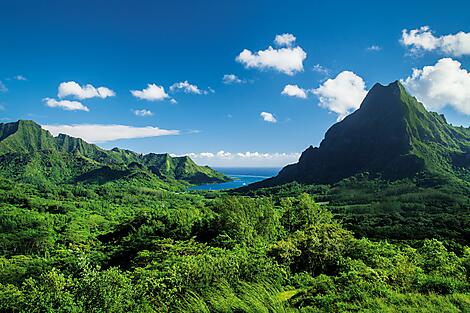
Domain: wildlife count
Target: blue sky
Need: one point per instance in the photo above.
(124, 46)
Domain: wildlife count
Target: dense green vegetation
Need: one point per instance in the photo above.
(29, 153)
(127, 247)
(406, 209)
(377, 219)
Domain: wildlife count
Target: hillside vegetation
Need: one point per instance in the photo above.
(125, 247)
(376, 219)
(30, 153)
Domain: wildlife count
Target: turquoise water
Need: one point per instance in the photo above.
(241, 176)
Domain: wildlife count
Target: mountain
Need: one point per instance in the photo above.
(391, 135)
(28, 152)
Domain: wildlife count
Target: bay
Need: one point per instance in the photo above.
(241, 176)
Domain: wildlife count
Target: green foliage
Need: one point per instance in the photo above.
(406, 209)
(129, 246)
(316, 249)
(245, 220)
(302, 210)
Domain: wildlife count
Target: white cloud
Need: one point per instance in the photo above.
(423, 39)
(104, 92)
(87, 91)
(285, 39)
(65, 104)
(173, 101)
(320, 69)
(224, 155)
(342, 94)
(374, 48)
(206, 155)
(268, 117)
(294, 91)
(232, 79)
(288, 60)
(143, 112)
(442, 84)
(3, 88)
(151, 93)
(20, 77)
(95, 133)
(186, 87)
(224, 158)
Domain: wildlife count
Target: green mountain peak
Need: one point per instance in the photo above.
(391, 135)
(29, 152)
(24, 136)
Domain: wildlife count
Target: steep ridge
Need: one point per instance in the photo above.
(391, 135)
(28, 152)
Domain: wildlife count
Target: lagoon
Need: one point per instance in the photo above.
(241, 177)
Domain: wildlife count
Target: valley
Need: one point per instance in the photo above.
(377, 218)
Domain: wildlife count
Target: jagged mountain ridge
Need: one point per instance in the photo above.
(29, 152)
(391, 135)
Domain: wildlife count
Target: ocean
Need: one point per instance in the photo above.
(242, 176)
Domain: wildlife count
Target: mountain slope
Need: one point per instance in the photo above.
(390, 135)
(28, 152)
(181, 168)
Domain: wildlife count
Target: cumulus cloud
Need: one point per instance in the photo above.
(423, 39)
(96, 133)
(374, 48)
(294, 91)
(173, 101)
(143, 112)
(232, 79)
(342, 94)
(285, 39)
(65, 104)
(87, 91)
(223, 154)
(268, 117)
(287, 60)
(3, 88)
(186, 87)
(249, 158)
(444, 84)
(151, 93)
